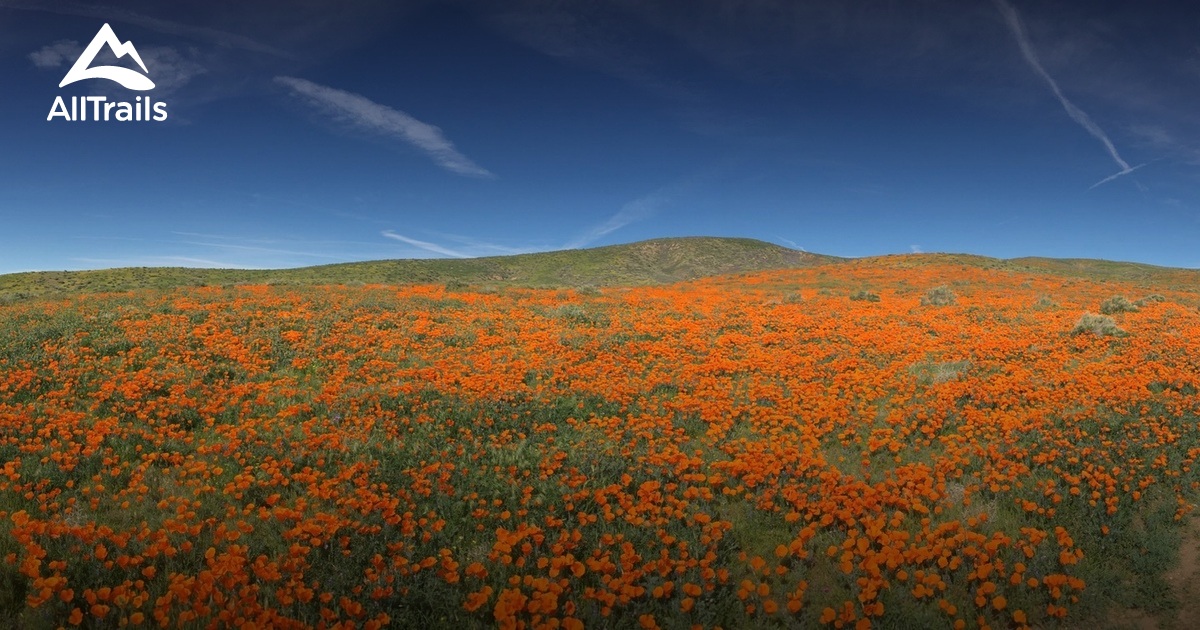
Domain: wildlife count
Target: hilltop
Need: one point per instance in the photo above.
(656, 261)
(1096, 270)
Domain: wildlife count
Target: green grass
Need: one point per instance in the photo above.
(1083, 268)
(1126, 572)
(657, 261)
(648, 262)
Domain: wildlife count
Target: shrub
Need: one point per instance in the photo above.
(1154, 297)
(1117, 304)
(1099, 325)
(590, 290)
(938, 296)
(575, 314)
(1045, 301)
(864, 296)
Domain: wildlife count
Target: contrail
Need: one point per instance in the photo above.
(361, 112)
(425, 245)
(1076, 114)
(1125, 171)
(631, 212)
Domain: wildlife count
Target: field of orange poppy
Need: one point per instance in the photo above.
(868, 445)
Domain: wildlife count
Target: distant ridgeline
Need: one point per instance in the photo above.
(658, 261)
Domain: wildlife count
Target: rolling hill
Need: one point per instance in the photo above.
(647, 262)
(657, 261)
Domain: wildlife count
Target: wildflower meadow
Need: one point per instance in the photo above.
(862, 445)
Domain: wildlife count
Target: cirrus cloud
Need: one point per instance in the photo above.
(362, 113)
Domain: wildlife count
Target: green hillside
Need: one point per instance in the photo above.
(658, 261)
(647, 262)
(1083, 268)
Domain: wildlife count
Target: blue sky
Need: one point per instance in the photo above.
(314, 132)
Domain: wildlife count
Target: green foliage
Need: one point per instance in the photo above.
(1100, 325)
(655, 261)
(939, 296)
(578, 315)
(508, 432)
(648, 262)
(1045, 302)
(1117, 304)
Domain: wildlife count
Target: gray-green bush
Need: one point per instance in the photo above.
(939, 296)
(1117, 304)
(1100, 325)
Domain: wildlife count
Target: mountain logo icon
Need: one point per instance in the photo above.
(83, 68)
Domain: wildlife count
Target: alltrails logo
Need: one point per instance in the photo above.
(99, 107)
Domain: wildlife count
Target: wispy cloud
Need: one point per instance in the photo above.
(274, 240)
(789, 243)
(466, 246)
(639, 209)
(262, 250)
(632, 212)
(1160, 139)
(480, 247)
(169, 68)
(1154, 135)
(1124, 171)
(161, 261)
(168, 27)
(224, 237)
(1078, 115)
(425, 245)
(56, 54)
(201, 249)
(644, 207)
(362, 113)
(916, 249)
(107, 237)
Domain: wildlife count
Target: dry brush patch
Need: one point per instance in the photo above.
(710, 453)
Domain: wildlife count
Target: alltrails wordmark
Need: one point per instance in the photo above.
(100, 108)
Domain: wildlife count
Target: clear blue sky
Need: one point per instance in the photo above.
(312, 132)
